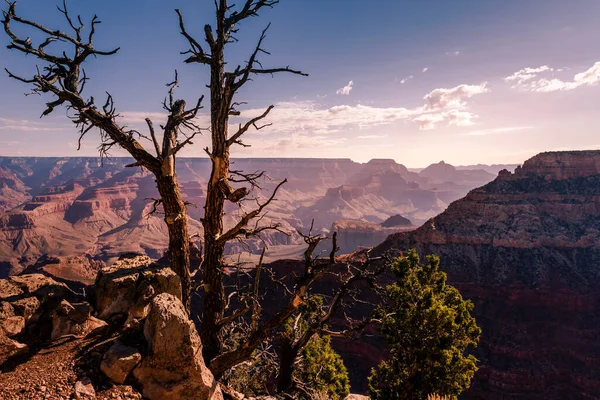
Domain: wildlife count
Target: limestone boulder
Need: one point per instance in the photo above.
(119, 361)
(37, 285)
(174, 368)
(12, 326)
(75, 319)
(84, 390)
(128, 287)
(26, 307)
(9, 290)
(10, 348)
(6, 310)
(24, 300)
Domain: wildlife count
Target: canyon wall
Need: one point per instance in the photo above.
(525, 249)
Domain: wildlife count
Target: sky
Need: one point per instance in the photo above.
(464, 81)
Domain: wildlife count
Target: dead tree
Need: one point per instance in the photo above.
(223, 87)
(307, 324)
(266, 329)
(64, 78)
(297, 295)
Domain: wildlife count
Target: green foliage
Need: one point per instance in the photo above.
(323, 370)
(308, 313)
(319, 369)
(428, 326)
(253, 376)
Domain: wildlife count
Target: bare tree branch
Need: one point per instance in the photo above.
(250, 9)
(153, 135)
(198, 53)
(64, 79)
(238, 228)
(244, 73)
(242, 129)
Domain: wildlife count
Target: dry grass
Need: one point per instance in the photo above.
(437, 397)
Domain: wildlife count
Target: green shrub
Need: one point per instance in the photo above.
(428, 326)
(323, 370)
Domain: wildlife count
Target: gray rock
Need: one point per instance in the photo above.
(119, 361)
(75, 319)
(26, 307)
(128, 286)
(10, 348)
(84, 389)
(38, 285)
(174, 368)
(12, 326)
(6, 310)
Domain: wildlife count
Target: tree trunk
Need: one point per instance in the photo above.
(287, 357)
(176, 220)
(214, 300)
(214, 249)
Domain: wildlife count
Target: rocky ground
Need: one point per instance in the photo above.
(56, 343)
(57, 373)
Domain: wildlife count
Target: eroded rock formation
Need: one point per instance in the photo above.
(353, 234)
(65, 207)
(525, 249)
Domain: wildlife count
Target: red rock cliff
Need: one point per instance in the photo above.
(525, 249)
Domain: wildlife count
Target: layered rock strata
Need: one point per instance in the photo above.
(525, 249)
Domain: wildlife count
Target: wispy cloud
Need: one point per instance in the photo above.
(10, 142)
(308, 124)
(310, 117)
(27, 128)
(371, 136)
(23, 125)
(443, 105)
(425, 69)
(137, 116)
(346, 89)
(298, 140)
(526, 74)
(497, 130)
(404, 80)
(453, 53)
(137, 119)
(530, 79)
(454, 97)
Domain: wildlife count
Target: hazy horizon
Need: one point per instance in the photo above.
(414, 167)
(467, 82)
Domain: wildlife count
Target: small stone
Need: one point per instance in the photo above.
(84, 389)
(119, 361)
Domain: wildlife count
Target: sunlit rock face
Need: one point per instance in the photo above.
(525, 249)
(63, 207)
